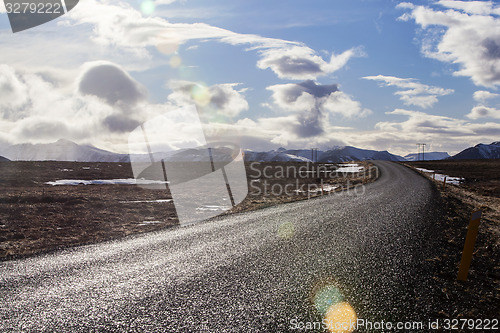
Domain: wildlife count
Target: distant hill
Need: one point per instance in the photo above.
(65, 150)
(3, 159)
(273, 156)
(62, 150)
(429, 156)
(480, 151)
(333, 155)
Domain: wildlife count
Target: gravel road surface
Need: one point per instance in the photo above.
(261, 271)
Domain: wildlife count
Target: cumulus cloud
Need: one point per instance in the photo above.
(420, 122)
(481, 111)
(40, 128)
(41, 108)
(119, 123)
(272, 132)
(398, 136)
(119, 25)
(114, 86)
(483, 96)
(470, 38)
(14, 92)
(213, 101)
(110, 83)
(441, 132)
(301, 63)
(313, 104)
(472, 7)
(412, 92)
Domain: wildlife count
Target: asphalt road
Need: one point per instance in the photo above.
(251, 272)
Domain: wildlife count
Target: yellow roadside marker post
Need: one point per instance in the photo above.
(470, 240)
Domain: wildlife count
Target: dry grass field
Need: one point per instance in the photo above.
(479, 296)
(481, 176)
(37, 217)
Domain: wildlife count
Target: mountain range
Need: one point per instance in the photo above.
(430, 156)
(334, 155)
(61, 150)
(65, 150)
(479, 151)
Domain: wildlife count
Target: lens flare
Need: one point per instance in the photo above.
(147, 7)
(167, 47)
(326, 297)
(201, 95)
(286, 230)
(175, 61)
(341, 318)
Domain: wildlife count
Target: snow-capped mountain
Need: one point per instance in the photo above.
(428, 156)
(347, 153)
(62, 150)
(3, 159)
(334, 155)
(479, 151)
(273, 156)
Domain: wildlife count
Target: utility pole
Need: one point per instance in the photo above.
(423, 151)
(314, 155)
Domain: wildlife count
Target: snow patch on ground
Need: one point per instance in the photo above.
(350, 167)
(326, 188)
(129, 181)
(440, 177)
(213, 208)
(148, 201)
(149, 222)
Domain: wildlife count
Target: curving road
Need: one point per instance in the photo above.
(249, 272)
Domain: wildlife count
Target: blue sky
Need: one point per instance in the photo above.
(374, 74)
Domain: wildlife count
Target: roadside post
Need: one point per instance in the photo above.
(470, 240)
(444, 182)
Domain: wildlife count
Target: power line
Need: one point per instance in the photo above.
(421, 145)
(314, 155)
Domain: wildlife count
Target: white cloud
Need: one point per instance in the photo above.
(405, 5)
(441, 132)
(13, 90)
(470, 38)
(313, 104)
(214, 102)
(420, 122)
(398, 136)
(119, 25)
(164, 2)
(302, 63)
(481, 111)
(483, 96)
(411, 91)
(472, 7)
(341, 103)
(51, 109)
(111, 83)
